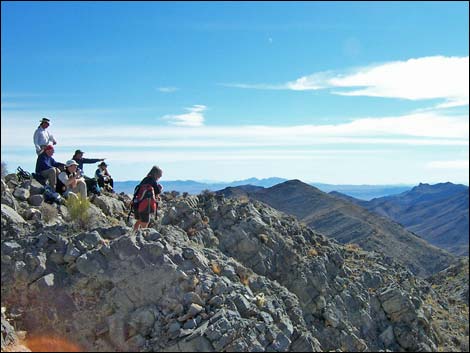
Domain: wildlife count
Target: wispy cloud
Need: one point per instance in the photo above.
(167, 89)
(426, 128)
(457, 164)
(193, 118)
(434, 77)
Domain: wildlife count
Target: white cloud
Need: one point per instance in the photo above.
(434, 77)
(421, 129)
(457, 164)
(167, 89)
(193, 119)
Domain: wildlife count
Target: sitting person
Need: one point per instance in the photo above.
(72, 181)
(47, 167)
(105, 181)
(78, 157)
(91, 183)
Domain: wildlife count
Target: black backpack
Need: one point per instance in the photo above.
(22, 175)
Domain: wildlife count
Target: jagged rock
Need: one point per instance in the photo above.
(109, 205)
(21, 194)
(9, 215)
(267, 283)
(36, 200)
(397, 305)
(3, 186)
(35, 187)
(9, 200)
(32, 214)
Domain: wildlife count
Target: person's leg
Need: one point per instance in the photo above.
(51, 175)
(143, 220)
(81, 188)
(101, 181)
(71, 195)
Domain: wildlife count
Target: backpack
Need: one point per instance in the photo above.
(51, 196)
(22, 175)
(144, 199)
(92, 186)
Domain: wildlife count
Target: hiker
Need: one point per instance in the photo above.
(72, 181)
(91, 183)
(47, 167)
(41, 137)
(105, 181)
(146, 196)
(78, 157)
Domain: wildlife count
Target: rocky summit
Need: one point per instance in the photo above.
(211, 274)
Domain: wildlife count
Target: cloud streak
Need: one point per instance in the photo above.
(426, 128)
(167, 89)
(433, 77)
(193, 118)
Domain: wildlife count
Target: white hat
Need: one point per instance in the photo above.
(70, 162)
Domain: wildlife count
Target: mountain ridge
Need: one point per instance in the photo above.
(350, 223)
(195, 187)
(437, 213)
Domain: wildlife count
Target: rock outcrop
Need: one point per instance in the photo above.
(212, 274)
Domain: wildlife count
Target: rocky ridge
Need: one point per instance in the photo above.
(212, 274)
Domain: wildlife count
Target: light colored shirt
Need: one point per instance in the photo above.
(65, 178)
(42, 137)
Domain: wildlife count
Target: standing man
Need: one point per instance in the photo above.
(41, 137)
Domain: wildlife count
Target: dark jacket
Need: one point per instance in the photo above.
(156, 186)
(44, 162)
(82, 161)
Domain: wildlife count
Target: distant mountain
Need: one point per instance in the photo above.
(437, 213)
(195, 187)
(350, 223)
(365, 192)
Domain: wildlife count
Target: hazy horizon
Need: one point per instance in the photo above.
(346, 93)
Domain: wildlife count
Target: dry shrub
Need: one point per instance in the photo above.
(78, 208)
(312, 252)
(260, 300)
(216, 268)
(243, 199)
(48, 212)
(244, 279)
(352, 247)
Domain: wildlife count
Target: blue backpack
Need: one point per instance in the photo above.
(51, 196)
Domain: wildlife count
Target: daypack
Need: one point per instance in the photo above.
(51, 196)
(92, 186)
(22, 175)
(144, 200)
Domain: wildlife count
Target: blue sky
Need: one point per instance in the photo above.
(332, 92)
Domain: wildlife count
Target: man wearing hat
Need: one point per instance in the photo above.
(78, 157)
(91, 183)
(47, 167)
(73, 182)
(104, 178)
(41, 137)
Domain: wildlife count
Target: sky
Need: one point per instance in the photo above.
(328, 92)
